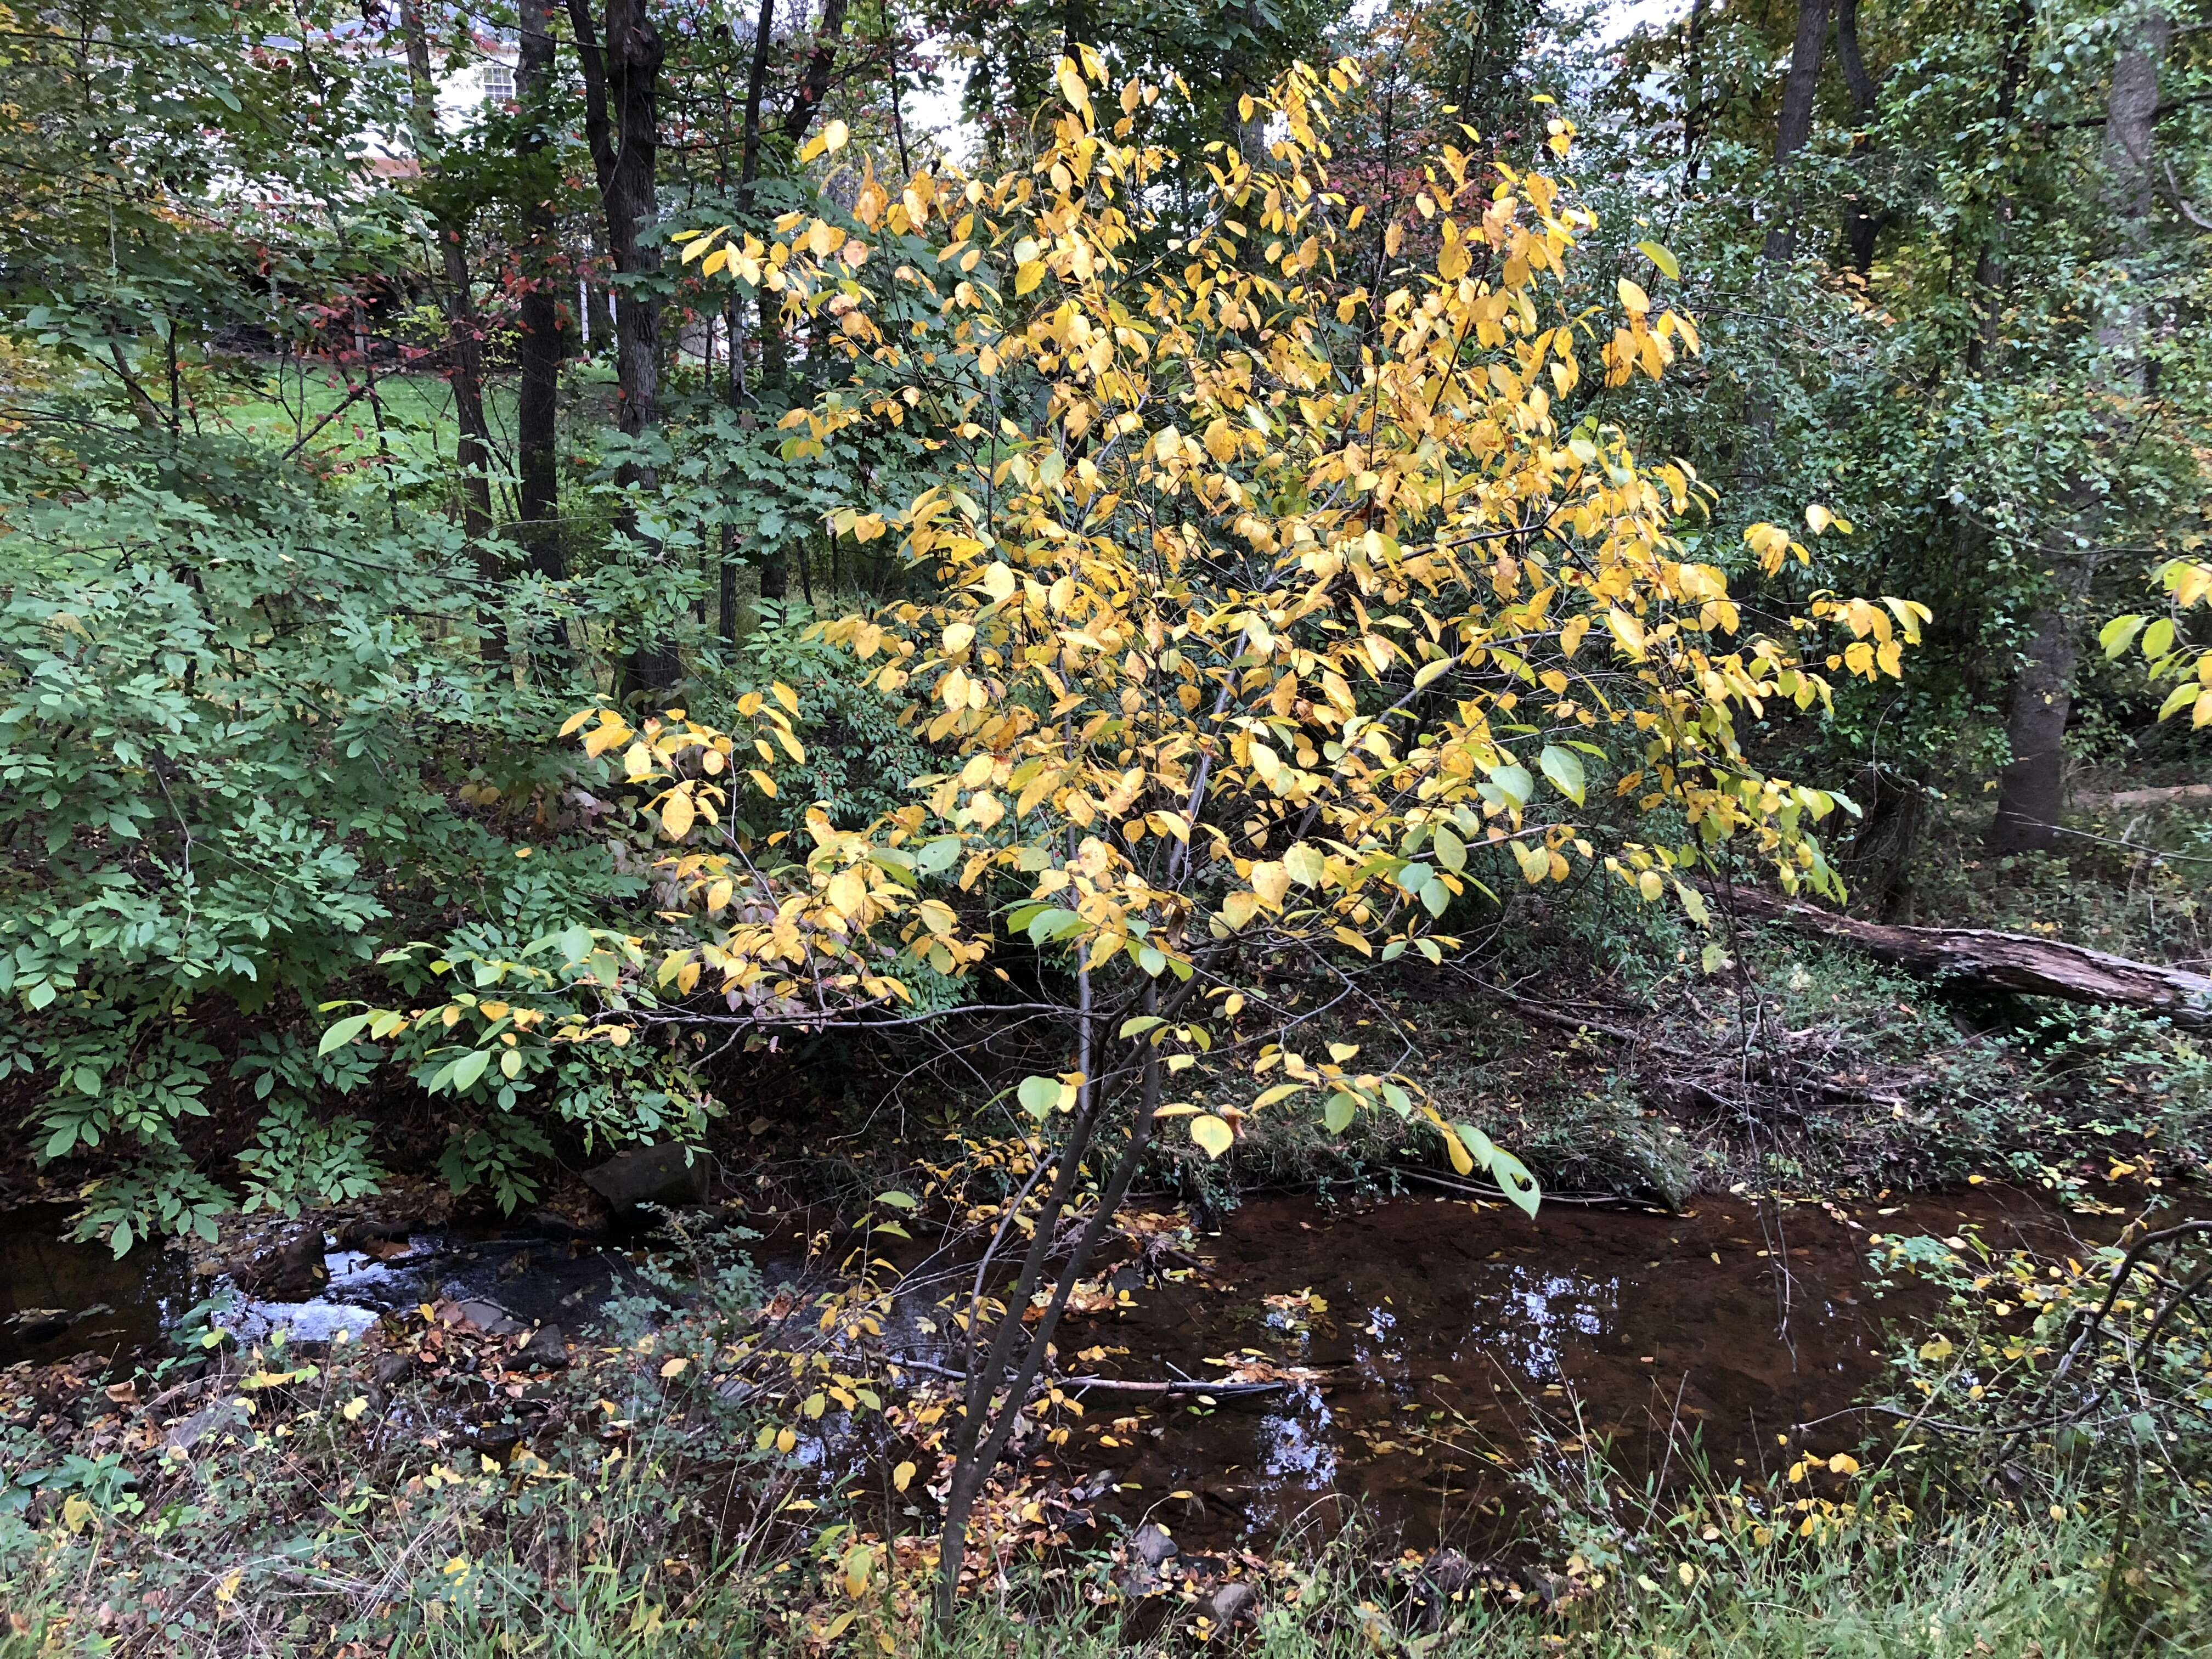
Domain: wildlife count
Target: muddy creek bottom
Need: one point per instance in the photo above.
(1452, 1341)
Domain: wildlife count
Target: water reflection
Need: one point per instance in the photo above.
(1453, 1344)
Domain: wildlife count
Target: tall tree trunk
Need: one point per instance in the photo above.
(635, 54)
(1991, 277)
(464, 340)
(2031, 789)
(814, 79)
(1693, 94)
(622, 93)
(541, 346)
(1861, 224)
(1795, 126)
(622, 90)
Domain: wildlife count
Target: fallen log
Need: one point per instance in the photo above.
(2179, 794)
(2007, 961)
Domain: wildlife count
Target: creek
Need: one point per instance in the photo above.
(1427, 1344)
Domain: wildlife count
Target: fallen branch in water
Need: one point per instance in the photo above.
(1119, 1385)
(1472, 1190)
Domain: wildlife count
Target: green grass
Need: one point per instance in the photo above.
(420, 424)
(418, 415)
(2031, 1590)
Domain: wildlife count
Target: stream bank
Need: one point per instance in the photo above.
(1401, 1358)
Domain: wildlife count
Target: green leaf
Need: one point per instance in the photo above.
(1564, 769)
(2119, 634)
(1693, 904)
(1660, 258)
(937, 856)
(899, 1200)
(2157, 639)
(1338, 1112)
(1513, 1176)
(1513, 783)
(1138, 1025)
(1306, 864)
(1451, 851)
(1051, 923)
(344, 1032)
(1213, 1135)
(468, 1068)
(1038, 1096)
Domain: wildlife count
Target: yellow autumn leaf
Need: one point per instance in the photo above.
(1072, 88)
(1271, 881)
(1213, 1136)
(676, 813)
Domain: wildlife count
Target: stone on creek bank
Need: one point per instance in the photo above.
(1151, 1546)
(546, 1351)
(1234, 1602)
(224, 1416)
(292, 1271)
(481, 1315)
(670, 1173)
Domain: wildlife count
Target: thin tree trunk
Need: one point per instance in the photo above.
(976, 1453)
(463, 343)
(814, 79)
(622, 90)
(1795, 126)
(1861, 224)
(621, 122)
(1693, 94)
(542, 346)
(2031, 789)
(1991, 277)
(774, 579)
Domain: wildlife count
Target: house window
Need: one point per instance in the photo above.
(498, 84)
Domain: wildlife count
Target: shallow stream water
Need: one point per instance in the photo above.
(1433, 1340)
(1448, 1335)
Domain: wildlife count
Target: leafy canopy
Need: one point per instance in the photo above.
(1279, 616)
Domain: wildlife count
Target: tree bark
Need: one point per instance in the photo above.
(2031, 789)
(1693, 94)
(814, 80)
(621, 86)
(541, 346)
(2001, 962)
(1861, 224)
(1795, 126)
(621, 124)
(1991, 277)
(464, 335)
